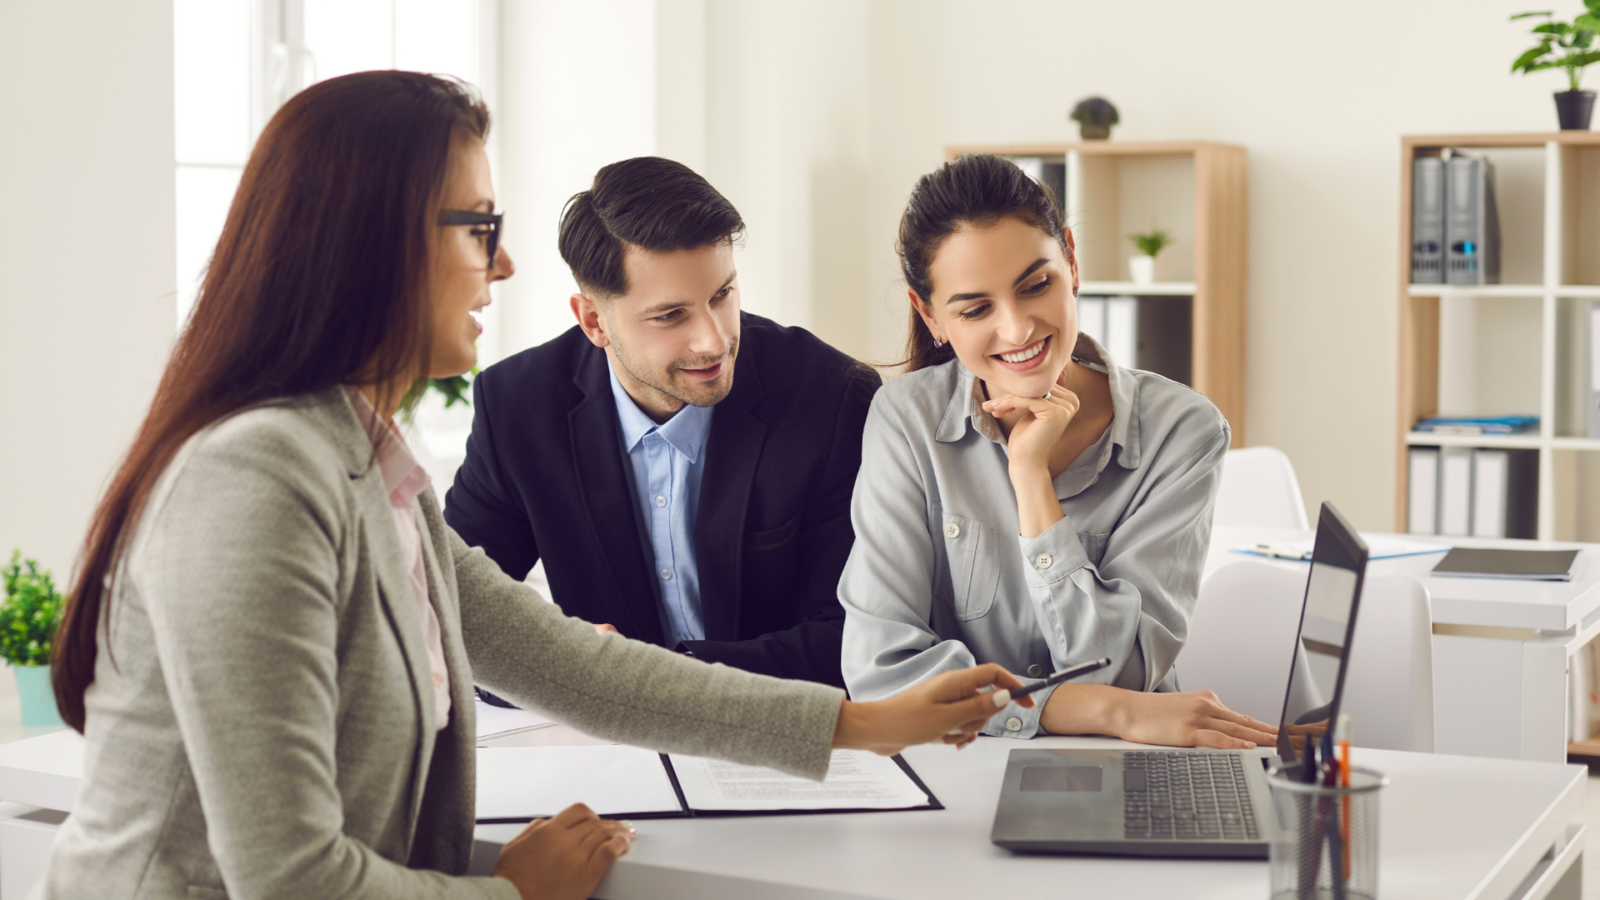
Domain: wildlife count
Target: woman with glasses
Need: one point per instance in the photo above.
(271, 645)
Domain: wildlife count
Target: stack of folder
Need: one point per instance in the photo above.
(1455, 226)
(1473, 491)
(1477, 424)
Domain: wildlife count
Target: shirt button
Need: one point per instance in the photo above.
(952, 530)
(666, 574)
(1043, 560)
(1013, 724)
(438, 678)
(1035, 670)
(660, 500)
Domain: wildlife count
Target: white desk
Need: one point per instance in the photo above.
(1451, 827)
(1500, 648)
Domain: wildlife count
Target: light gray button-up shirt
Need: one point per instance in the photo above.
(940, 579)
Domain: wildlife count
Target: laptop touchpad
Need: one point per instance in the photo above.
(1080, 779)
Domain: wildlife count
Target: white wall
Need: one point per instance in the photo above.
(577, 91)
(788, 144)
(87, 283)
(767, 100)
(1320, 97)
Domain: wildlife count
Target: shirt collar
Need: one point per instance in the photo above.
(966, 404)
(685, 432)
(403, 477)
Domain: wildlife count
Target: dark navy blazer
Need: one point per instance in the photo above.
(545, 478)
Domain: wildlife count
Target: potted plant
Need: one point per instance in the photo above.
(29, 614)
(1095, 116)
(1142, 267)
(1565, 45)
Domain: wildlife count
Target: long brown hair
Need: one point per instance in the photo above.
(318, 280)
(976, 189)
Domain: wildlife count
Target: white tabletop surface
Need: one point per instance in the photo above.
(1492, 602)
(1452, 827)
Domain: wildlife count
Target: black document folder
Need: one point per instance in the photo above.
(520, 784)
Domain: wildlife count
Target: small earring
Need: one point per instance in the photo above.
(937, 343)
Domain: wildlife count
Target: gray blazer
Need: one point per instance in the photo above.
(260, 721)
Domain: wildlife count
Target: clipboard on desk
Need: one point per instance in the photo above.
(520, 784)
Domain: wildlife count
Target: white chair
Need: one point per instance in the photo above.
(1241, 639)
(1244, 628)
(1259, 488)
(1388, 688)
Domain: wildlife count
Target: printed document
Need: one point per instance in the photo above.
(496, 721)
(857, 779)
(522, 783)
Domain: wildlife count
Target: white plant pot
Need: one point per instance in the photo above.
(1142, 269)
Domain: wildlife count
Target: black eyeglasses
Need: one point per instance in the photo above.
(468, 217)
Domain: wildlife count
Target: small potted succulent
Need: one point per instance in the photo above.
(1142, 266)
(1095, 116)
(29, 614)
(1565, 45)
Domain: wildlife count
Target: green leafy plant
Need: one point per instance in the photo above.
(453, 389)
(1562, 45)
(1152, 242)
(29, 613)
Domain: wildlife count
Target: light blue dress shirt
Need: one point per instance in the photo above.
(668, 461)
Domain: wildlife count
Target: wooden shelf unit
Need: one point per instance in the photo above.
(1197, 190)
(1548, 193)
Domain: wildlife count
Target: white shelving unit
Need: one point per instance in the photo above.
(1548, 191)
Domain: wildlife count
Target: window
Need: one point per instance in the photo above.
(237, 61)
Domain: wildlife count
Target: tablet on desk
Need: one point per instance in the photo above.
(1488, 562)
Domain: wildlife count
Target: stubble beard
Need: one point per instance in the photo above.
(670, 383)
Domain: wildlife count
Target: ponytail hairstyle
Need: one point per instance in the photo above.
(317, 280)
(975, 190)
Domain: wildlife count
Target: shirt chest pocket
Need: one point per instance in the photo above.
(973, 550)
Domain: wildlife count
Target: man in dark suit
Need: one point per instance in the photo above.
(670, 496)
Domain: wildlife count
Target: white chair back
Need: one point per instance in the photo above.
(1241, 639)
(1388, 689)
(1259, 488)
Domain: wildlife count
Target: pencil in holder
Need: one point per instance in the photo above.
(1324, 837)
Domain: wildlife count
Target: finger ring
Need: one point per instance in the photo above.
(1047, 395)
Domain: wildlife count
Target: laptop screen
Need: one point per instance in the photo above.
(1327, 623)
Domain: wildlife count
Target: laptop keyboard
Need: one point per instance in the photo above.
(1170, 795)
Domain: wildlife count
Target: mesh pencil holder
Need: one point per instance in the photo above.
(1325, 838)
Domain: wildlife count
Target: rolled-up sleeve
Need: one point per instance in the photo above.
(1138, 600)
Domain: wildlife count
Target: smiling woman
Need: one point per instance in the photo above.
(1022, 498)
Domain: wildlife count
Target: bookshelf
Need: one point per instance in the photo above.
(1192, 319)
(1519, 346)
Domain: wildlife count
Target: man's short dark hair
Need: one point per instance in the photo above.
(652, 203)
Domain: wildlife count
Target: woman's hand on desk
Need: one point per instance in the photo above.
(563, 857)
(951, 707)
(1191, 719)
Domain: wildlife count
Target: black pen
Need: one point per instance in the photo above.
(1063, 675)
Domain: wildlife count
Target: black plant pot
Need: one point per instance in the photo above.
(1574, 108)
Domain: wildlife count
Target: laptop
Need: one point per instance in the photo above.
(1189, 802)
